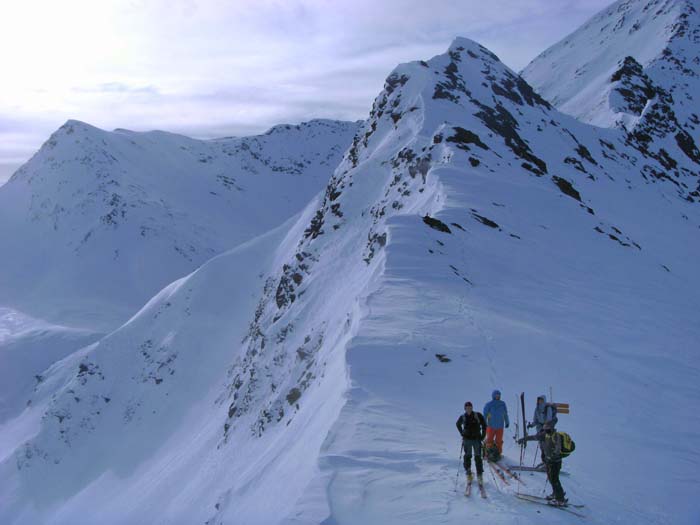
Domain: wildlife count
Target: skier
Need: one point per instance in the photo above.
(551, 444)
(472, 428)
(496, 414)
(543, 412)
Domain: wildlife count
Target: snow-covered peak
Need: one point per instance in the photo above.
(663, 36)
(105, 219)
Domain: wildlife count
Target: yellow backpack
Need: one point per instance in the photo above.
(567, 444)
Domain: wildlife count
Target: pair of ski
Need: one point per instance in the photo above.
(502, 470)
(549, 503)
(528, 469)
(482, 491)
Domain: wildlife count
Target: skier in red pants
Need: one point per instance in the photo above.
(496, 415)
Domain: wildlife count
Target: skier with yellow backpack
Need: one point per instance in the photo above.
(555, 447)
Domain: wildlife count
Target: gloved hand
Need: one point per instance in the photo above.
(521, 441)
(530, 425)
(507, 425)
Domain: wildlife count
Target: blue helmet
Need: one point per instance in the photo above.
(495, 393)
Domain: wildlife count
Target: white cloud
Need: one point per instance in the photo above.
(228, 68)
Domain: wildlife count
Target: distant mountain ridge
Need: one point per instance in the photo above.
(96, 222)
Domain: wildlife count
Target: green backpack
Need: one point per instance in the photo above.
(567, 444)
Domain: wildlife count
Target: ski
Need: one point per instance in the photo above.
(540, 498)
(522, 407)
(535, 469)
(508, 471)
(498, 472)
(538, 502)
(527, 469)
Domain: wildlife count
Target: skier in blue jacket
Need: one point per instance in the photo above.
(543, 412)
(496, 415)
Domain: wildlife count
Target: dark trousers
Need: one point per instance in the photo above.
(475, 446)
(553, 470)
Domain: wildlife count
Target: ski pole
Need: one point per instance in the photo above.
(546, 480)
(459, 465)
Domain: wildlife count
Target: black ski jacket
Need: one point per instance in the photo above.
(550, 444)
(472, 426)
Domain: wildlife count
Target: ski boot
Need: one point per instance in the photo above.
(470, 476)
(559, 502)
(480, 479)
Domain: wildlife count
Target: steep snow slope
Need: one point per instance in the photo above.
(578, 74)
(27, 347)
(97, 222)
(472, 237)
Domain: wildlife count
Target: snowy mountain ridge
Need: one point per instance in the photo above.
(120, 214)
(471, 237)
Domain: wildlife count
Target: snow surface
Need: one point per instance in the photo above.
(471, 238)
(27, 347)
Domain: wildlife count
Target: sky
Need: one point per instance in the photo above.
(216, 68)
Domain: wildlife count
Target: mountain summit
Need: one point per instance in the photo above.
(605, 72)
(96, 222)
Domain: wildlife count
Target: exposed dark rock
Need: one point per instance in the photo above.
(393, 81)
(529, 94)
(575, 163)
(500, 121)
(436, 224)
(293, 396)
(566, 188)
(583, 151)
(633, 86)
(463, 137)
(375, 241)
(451, 88)
(687, 145)
(505, 89)
(285, 292)
(484, 220)
(316, 226)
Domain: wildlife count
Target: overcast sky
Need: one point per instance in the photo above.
(213, 68)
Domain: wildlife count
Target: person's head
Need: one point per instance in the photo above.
(541, 400)
(468, 407)
(496, 394)
(548, 427)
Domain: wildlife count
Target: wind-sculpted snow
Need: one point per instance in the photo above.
(472, 237)
(96, 222)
